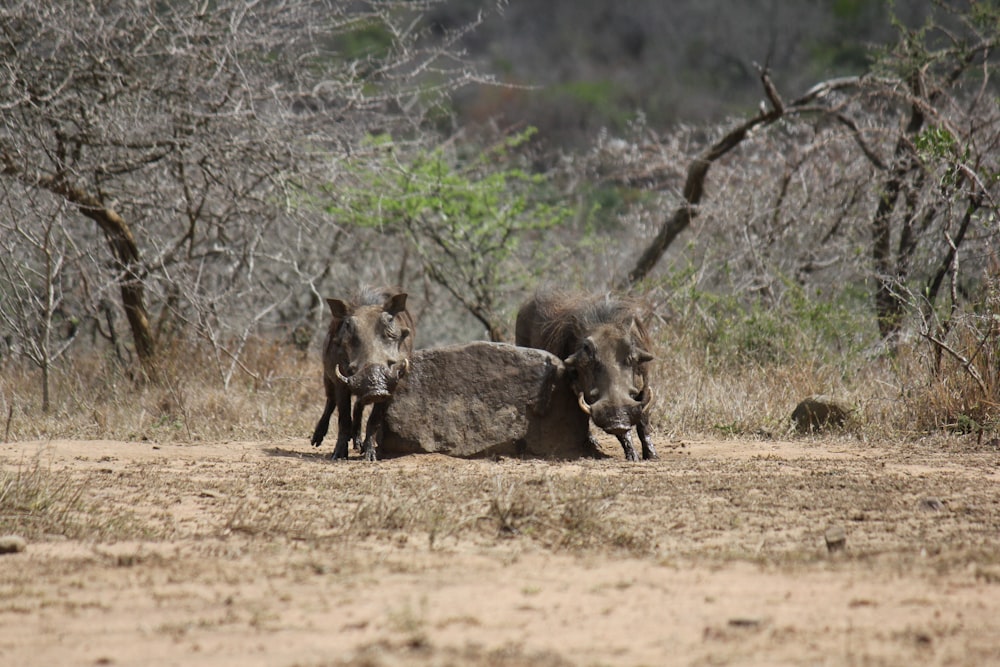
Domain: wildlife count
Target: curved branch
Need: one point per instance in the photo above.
(123, 247)
(694, 186)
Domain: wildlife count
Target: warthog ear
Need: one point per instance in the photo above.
(339, 309)
(395, 304)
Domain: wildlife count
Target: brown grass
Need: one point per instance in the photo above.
(37, 502)
(95, 398)
(699, 391)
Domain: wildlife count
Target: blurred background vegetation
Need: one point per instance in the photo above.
(584, 66)
(190, 181)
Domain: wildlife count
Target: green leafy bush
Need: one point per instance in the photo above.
(476, 222)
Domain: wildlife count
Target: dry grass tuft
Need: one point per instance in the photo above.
(738, 371)
(684, 509)
(281, 396)
(36, 502)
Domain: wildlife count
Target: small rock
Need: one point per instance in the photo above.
(989, 574)
(931, 505)
(819, 413)
(836, 538)
(12, 544)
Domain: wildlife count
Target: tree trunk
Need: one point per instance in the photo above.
(887, 303)
(890, 270)
(126, 254)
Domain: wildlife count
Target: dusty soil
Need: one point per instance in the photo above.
(266, 553)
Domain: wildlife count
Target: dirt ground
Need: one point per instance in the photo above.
(267, 553)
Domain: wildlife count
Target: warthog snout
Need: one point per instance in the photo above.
(612, 417)
(375, 382)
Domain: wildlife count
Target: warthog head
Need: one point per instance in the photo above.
(604, 345)
(371, 347)
(609, 369)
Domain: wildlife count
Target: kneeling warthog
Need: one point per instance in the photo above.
(605, 347)
(366, 353)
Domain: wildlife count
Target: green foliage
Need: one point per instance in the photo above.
(476, 223)
(985, 16)
(796, 325)
(590, 100)
(604, 205)
(832, 52)
(932, 50)
(936, 142)
(371, 40)
(849, 9)
(598, 94)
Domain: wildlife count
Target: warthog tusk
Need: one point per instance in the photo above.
(647, 396)
(583, 403)
(351, 381)
(404, 370)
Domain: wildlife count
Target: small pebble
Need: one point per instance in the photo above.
(931, 505)
(12, 544)
(836, 538)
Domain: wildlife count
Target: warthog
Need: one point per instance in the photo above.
(366, 353)
(605, 347)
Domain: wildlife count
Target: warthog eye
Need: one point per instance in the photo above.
(389, 326)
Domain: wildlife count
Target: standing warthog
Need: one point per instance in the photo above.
(604, 345)
(366, 353)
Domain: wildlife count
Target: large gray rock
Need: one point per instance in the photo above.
(486, 399)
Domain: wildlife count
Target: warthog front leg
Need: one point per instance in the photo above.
(642, 429)
(344, 427)
(373, 432)
(359, 412)
(323, 425)
(593, 446)
(626, 440)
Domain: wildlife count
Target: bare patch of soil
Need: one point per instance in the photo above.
(266, 553)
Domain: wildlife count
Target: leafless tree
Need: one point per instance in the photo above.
(186, 138)
(34, 282)
(935, 171)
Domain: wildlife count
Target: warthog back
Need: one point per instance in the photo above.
(486, 399)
